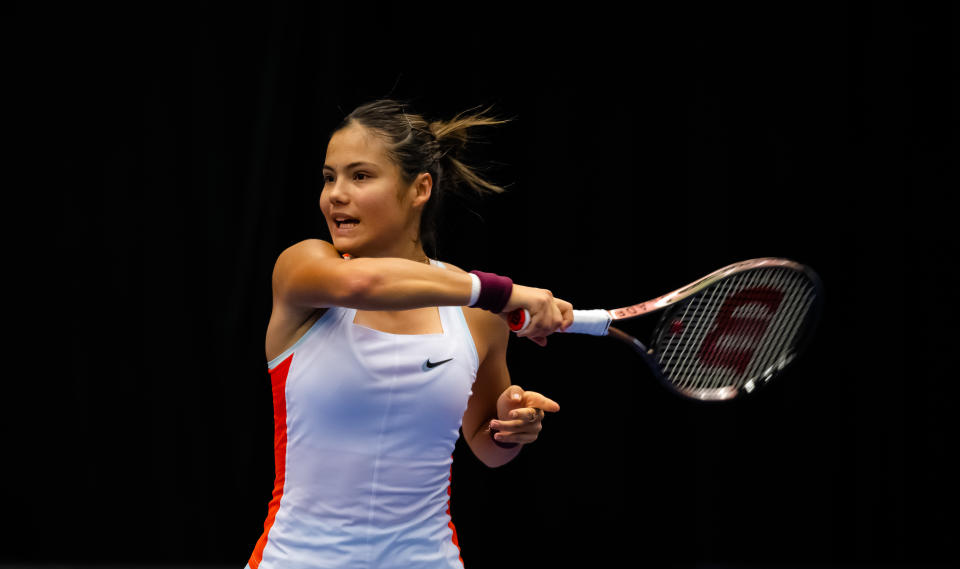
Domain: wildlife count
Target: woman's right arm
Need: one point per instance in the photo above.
(311, 273)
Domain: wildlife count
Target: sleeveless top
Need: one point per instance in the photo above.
(365, 426)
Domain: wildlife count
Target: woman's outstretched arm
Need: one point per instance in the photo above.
(312, 273)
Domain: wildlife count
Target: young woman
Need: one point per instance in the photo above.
(377, 358)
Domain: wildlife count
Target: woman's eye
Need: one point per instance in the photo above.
(360, 176)
(328, 179)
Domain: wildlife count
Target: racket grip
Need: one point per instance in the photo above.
(519, 319)
(592, 322)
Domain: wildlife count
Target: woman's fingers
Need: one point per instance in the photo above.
(516, 431)
(520, 415)
(548, 316)
(523, 426)
(543, 320)
(522, 438)
(541, 341)
(525, 423)
(518, 425)
(566, 313)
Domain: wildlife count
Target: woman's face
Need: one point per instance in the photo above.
(369, 210)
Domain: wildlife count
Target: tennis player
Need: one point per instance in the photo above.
(378, 355)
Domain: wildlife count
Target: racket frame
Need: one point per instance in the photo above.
(661, 302)
(726, 392)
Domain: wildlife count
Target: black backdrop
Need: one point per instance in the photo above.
(171, 151)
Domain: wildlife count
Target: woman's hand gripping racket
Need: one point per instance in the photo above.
(723, 335)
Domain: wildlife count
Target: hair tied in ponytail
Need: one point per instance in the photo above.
(435, 147)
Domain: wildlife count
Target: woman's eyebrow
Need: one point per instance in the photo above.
(350, 166)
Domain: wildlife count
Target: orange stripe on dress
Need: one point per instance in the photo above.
(278, 380)
(450, 523)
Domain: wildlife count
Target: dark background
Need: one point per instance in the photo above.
(166, 153)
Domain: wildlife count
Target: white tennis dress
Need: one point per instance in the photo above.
(365, 426)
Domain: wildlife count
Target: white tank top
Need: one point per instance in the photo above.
(365, 426)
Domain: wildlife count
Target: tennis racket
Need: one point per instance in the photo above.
(723, 335)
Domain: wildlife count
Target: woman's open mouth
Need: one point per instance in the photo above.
(345, 222)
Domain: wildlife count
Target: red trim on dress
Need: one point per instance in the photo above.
(278, 380)
(450, 523)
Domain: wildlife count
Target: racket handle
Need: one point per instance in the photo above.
(592, 322)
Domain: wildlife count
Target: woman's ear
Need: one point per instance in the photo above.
(423, 187)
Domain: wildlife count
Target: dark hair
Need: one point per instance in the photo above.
(417, 146)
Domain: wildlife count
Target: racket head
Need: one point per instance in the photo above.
(736, 331)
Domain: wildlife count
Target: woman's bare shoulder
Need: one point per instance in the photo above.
(302, 251)
(301, 273)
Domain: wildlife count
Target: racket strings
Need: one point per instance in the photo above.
(777, 349)
(765, 299)
(689, 370)
(771, 344)
(741, 329)
(743, 347)
(691, 373)
(729, 352)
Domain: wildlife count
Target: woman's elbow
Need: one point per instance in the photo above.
(308, 286)
(356, 288)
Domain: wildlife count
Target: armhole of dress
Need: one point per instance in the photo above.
(462, 318)
(468, 337)
(286, 353)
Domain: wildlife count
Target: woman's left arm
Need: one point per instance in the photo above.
(515, 413)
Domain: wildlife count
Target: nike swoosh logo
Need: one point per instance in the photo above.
(430, 364)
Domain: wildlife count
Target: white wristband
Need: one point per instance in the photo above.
(475, 290)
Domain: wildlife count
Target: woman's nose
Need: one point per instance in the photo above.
(335, 193)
